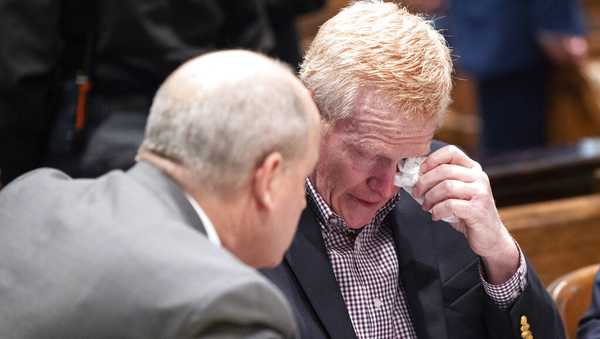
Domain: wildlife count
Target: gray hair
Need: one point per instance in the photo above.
(222, 113)
(380, 45)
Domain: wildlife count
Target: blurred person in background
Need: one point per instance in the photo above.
(77, 77)
(511, 48)
(589, 324)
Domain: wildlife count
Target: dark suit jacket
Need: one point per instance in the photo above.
(589, 326)
(440, 274)
(122, 256)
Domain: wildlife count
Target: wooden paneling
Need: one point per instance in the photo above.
(592, 15)
(545, 174)
(461, 124)
(557, 236)
(309, 24)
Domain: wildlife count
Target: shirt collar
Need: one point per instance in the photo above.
(211, 233)
(331, 221)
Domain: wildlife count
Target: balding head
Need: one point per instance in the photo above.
(239, 133)
(220, 114)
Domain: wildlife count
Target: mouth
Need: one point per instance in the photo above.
(366, 203)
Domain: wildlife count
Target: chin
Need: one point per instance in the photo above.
(356, 212)
(356, 223)
(356, 219)
(272, 262)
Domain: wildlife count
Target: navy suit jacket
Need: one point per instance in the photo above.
(491, 37)
(589, 326)
(439, 272)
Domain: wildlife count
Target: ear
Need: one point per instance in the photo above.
(264, 181)
(324, 127)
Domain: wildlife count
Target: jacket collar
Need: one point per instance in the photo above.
(309, 261)
(168, 191)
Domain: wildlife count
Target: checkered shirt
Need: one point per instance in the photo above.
(365, 266)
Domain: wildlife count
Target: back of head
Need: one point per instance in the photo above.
(379, 45)
(219, 114)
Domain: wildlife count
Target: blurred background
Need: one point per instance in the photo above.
(77, 80)
(574, 108)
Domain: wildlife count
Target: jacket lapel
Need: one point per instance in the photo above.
(418, 266)
(309, 261)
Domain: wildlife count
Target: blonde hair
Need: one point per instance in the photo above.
(379, 45)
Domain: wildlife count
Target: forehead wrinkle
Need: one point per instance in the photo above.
(391, 132)
(388, 140)
(372, 104)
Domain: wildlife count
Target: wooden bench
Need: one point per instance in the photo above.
(573, 295)
(546, 174)
(558, 236)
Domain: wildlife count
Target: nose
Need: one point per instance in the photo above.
(382, 182)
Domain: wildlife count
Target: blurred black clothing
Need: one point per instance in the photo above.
(136, 44)
(282, 14)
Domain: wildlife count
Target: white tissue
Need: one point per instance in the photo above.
(408, 174)
(407, 177)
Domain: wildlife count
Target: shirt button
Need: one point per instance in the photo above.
(377, 303)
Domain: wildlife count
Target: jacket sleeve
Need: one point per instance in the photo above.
(233, 330)
(247, 308)
(558, 16)
(589, 326)
(533, 311)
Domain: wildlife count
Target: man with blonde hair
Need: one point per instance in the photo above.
(167, 249)
(370, 260)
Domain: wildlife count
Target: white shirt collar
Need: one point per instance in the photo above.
(211, 233)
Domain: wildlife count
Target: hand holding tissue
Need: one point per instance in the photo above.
(407, 176)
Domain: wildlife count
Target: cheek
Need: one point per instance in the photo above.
(351, 177)
(290, 216)
(344, 175)
(295, 198)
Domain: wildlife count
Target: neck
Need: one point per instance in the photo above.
(233, 218)
(224, 217)
(226, 212)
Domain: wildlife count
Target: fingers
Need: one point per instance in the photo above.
(443, 172)
(450, 178)
(564, 49)
(577, 47)
(451, 208)
(455, 189)
(448, 164)
(450, 189)
(448, 155)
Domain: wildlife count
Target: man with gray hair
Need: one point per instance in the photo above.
(369, 260)
(167, 249)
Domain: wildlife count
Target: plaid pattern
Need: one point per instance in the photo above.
(505, 294)
(365, 266)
